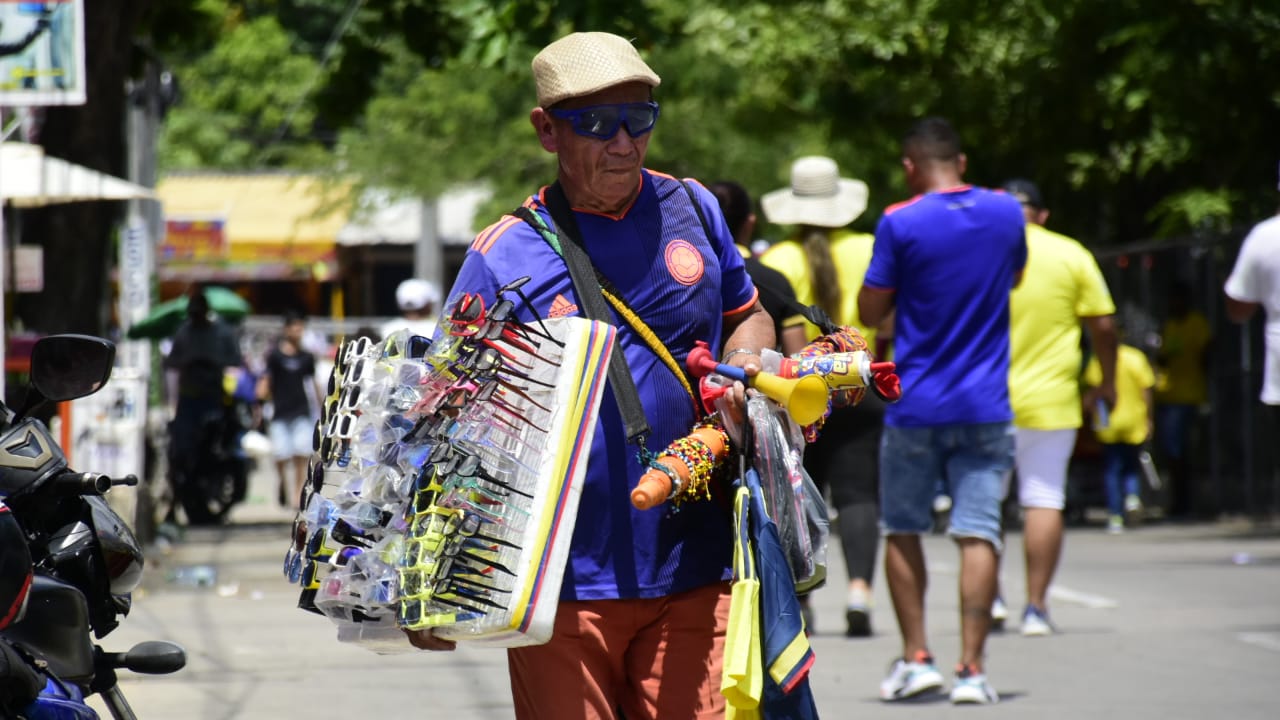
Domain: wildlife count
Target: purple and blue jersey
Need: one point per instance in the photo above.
(951, 258)
(683, 285)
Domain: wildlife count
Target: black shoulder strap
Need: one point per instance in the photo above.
(583, 274)
(812, 313)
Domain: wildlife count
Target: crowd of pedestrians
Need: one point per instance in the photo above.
(982, 308)
(1001, 375)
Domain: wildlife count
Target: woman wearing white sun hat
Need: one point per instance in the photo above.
(825, 263)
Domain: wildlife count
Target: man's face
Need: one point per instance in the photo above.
(600, 175)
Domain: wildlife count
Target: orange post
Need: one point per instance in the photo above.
(64, 414)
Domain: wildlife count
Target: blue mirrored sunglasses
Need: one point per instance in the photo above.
(603, 121)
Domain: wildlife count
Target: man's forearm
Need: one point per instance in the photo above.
(1102, 337)
(750, 330)
(874, 305)
(1239, 310)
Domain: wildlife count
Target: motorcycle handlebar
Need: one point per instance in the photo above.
(88, 483)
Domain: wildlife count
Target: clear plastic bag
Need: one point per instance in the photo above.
(791, 498)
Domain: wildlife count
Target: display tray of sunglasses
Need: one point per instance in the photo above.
(444, 484)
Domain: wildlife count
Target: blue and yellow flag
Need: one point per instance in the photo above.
(765, 632)
(787, 655)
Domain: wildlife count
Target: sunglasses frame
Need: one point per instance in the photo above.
(575, 116)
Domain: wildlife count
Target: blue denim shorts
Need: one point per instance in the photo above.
(971, 460)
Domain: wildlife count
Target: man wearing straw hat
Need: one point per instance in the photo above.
(644, 606)
(825, 263)
(947, 260)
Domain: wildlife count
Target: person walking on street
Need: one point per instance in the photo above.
(204, 348)
(947, 260)
(289, 383)
(826, 264)
(1255, 282)
(1122, 430)
(644, 607)
(1064, 287)
(1185, 340)
(419, 303)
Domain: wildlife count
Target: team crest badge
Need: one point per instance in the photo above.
(684, 262)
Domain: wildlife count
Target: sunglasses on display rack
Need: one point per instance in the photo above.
(448, 588)
(293, 562)
(467, 315)
(352, 350)
(514, 286)
(471, 467)
(602, 122)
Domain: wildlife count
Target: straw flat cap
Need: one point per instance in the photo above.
(586, 62)
(818, 196)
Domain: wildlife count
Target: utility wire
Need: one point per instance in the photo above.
(338, 31)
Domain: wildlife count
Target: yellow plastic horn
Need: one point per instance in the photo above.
(805, 398)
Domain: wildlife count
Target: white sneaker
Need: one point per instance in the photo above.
(941, 503)
(1133, 510)
(972, 688)
(999, 613)
(1035, 622)
(909, 679)
(1115, 525)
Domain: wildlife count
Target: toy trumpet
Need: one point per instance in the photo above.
(844, 370)
(805, 398)
(683, 469)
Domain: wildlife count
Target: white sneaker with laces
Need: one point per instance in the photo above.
(909, 679)
(972, 688)
(999, 613)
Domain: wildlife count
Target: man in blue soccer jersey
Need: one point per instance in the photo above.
(644, 607)
(947, 259)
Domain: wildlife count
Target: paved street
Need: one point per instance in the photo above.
(1164, 622)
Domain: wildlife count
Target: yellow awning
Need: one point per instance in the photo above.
(252, 226)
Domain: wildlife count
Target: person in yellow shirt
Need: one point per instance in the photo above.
(1184, 341)
(1122, 431)
(825, 264)
(1062, 287)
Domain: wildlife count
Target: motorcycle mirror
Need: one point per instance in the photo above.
(65, 367)
(153, 657)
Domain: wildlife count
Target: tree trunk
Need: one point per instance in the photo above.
(78, 238)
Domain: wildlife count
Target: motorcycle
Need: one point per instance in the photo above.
(86, 561)
(214, 476)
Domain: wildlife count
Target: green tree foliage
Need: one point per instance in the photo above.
(1137, 118)
(245, 103)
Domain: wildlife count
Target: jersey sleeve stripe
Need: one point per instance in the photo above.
(755, 295)
(484, 234)
(503, 226)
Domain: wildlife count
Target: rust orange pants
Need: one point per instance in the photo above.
(633, 659)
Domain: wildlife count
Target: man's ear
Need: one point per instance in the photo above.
(541, 121)
(962, 163)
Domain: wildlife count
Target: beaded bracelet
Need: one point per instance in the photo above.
(698, 457)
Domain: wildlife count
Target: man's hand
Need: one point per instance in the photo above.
(426, 640)
(1107, 392)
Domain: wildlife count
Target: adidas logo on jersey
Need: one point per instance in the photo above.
(561, 307)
